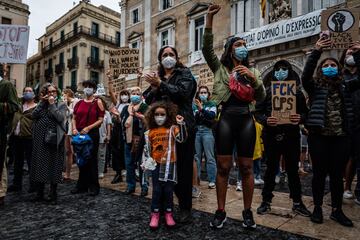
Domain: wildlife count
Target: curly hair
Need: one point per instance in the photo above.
(171, 112)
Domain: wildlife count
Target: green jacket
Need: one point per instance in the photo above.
(221, 92)
(8, 102)
(26, 121)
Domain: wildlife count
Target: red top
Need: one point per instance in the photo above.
(81, 111)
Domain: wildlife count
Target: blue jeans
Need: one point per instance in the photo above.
(205, 142)
(256, 169)
(130, 166)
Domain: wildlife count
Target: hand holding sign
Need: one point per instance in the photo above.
(272, 121)
(355, 46)
(323, 43)
(295, 119)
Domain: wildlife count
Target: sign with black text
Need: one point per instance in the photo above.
(283, 100)
(343, 25)
(206, 78)
(124, 61)
(14, 41)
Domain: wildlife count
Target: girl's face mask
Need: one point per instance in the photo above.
(330, 71)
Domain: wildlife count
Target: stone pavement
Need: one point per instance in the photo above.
(113, 215)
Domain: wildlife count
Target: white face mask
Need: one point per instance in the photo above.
(124, 98)
(168, 62)
(349, 60)
(88, 91)
(160, 120)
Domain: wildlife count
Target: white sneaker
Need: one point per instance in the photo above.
(348, 195)
(239, 186)
(277, 179)
(123, 173)
(196, 192)
(101, 175)
(212, 185)
(258, 181)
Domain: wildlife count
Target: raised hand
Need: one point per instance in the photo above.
(323, 43)
(179, 119)
(213, 9)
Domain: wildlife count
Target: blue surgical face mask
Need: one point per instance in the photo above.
(281, 75)
(135, 99)
(330, 71)
(203, 97)
(241, 53)
(28, 96)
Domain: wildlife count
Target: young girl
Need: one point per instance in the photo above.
(160, 157)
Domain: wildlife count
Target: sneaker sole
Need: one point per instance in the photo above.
(302, 214)
(220, 226)
(249, 227)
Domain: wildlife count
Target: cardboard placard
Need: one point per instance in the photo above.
(118, 85)
(283, 100)
(206, 78)
(14, 41)
(343, 25)
(124, 61)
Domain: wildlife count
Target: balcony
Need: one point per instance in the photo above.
(95, 63)
(48, 74)
(79, 32)
(59, 68)
(72, 63)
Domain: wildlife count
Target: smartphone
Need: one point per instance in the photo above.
(325, 34)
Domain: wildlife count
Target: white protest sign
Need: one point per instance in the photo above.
(14, 41)
(283, 31)
(283, 100)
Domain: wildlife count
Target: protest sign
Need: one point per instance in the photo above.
(283, 100)
(14, 41)
(118, 85)
(123, 61)
(343, 25)
(206, 78)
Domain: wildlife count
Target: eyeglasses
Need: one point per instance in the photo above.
(160, 114)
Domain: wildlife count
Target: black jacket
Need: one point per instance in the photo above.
(353, 82)
(318, 95)
(180, 89)
(264, 109)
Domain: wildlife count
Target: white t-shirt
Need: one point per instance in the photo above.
(102, 130)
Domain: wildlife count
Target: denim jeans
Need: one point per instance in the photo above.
(162, 192)
(256, 169)
(205, 142)
(130, 166)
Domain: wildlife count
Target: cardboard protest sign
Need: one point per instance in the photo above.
(124, 61)
(343, 25)
(283, 100)
(118, 84)
(206, 78)
(14, 41)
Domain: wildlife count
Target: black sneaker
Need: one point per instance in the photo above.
(317, 215)
(184, 216)
(264, 208)
(144, 193)
(339, 216)
(248, 219)
(219, 219)
(301, 209)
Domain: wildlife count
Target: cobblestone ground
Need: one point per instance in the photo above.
(111, 215)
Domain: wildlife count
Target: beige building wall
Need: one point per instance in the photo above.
(84, 14)
(18, 13)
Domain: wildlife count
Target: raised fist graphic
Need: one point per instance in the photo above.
(338, 19)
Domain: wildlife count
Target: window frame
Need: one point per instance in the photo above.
(161, 4)
(139, 8)
(170, 29)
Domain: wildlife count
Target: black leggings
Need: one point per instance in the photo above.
(236, 129)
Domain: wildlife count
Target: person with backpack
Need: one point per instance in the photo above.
(87, 118)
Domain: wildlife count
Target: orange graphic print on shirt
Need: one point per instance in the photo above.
(159, 141)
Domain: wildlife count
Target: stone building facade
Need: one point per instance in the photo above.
(17, 13)
(74, 47)
(148, 25)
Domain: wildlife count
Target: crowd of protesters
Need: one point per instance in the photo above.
(165, 133)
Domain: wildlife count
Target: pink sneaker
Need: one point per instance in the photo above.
(169, 219)
(154, 221)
